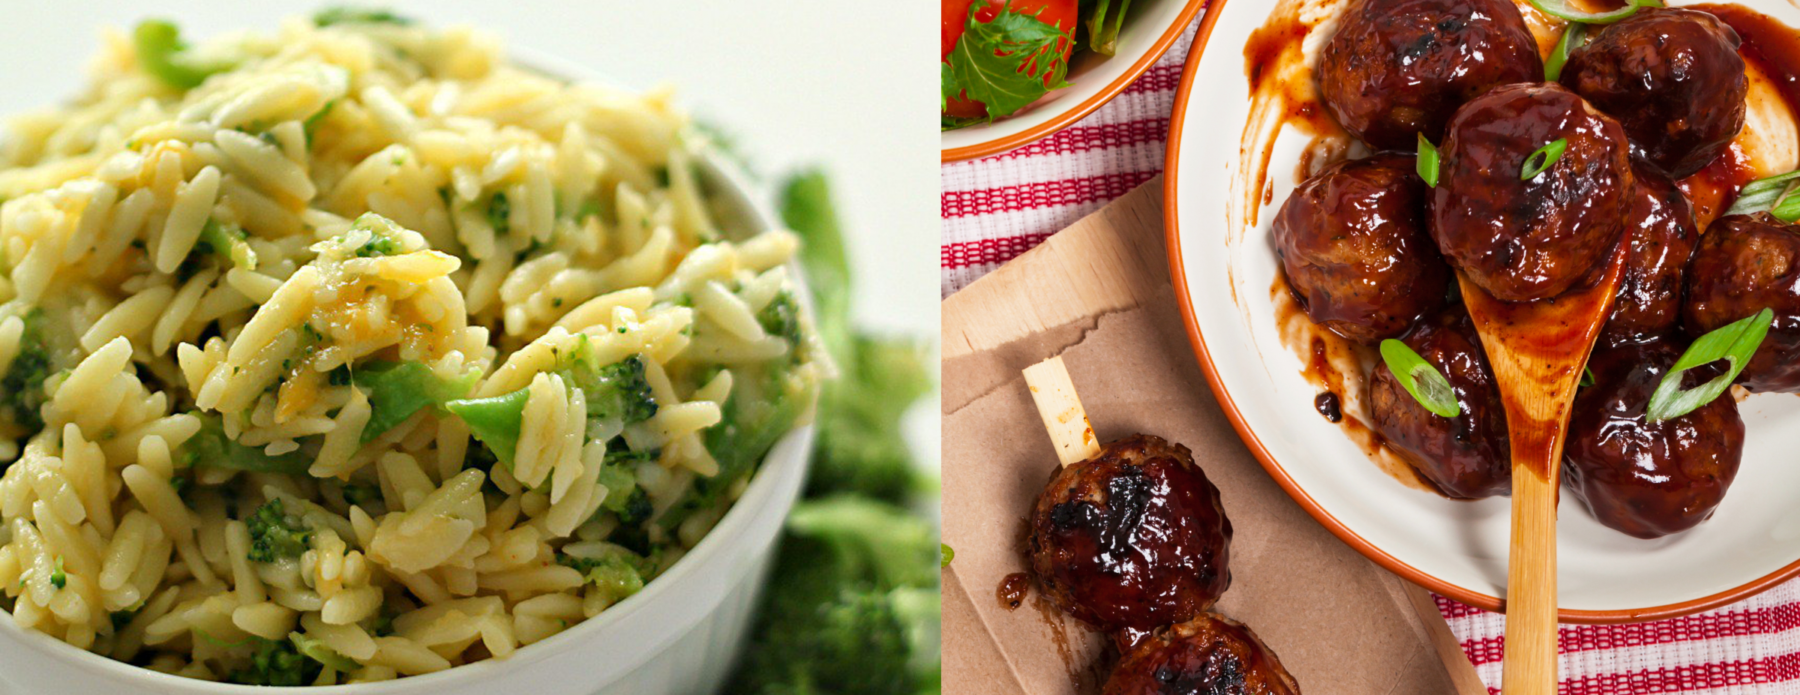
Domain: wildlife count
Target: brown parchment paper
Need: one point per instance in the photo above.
(1340, 623)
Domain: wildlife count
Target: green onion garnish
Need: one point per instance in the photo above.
(1587, 377)
(1572, 38)
(1428, 161)
(1543, 158)
(1561, 9)
(1734, 342)
(1773, 195)
(947, 556)
(1419, 378)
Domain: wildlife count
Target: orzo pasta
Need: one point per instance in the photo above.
(352, 351)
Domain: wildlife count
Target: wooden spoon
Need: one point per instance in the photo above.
(1538, 350)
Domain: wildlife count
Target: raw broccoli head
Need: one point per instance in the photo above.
(277, 662)
(856, 642)
(274, 534)
(866, 540)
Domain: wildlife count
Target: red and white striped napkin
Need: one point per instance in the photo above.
(999, 207)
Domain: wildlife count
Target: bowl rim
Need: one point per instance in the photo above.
(1081, 109)
(1178, 279)
(777, 479)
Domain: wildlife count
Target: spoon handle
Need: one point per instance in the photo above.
(1530, 667)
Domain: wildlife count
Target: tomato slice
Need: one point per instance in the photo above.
(1061, 13)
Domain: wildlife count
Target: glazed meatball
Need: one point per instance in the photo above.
(1397, 68)
(1464, 457)
(1746, 263)
(1353, 243)
(1523, 239)
(1673, 78)
(1662, 239)
(1210, 655)
(1133, 538)
(1641, 478)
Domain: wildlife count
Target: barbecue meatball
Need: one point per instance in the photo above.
(1662, 239)
(1674, 80)
(1211, 655)
(1464, 457)
(1746, 263)
(1397, 68)
(1523, 239)
(1132, 538)
(1641, 478)
(1353, 243)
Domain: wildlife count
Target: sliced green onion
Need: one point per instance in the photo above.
(1561, 9)
(1572, 38)
(1760, 195)
(1734, 342)
(1543, 158)
(948, 555)
(1428, 161)
(1419, 378)
(1787, 205)
(1587, 377)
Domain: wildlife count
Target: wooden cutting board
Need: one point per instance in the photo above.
(1111, 264)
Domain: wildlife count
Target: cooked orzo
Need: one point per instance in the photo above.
(353, 351)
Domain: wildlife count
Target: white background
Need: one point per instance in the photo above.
(797, 81)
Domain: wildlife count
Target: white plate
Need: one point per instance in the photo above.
(1456, 548)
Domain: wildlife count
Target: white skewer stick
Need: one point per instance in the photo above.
(1060, 407)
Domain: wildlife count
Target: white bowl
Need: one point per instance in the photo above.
(1224, 267)
(680, 634)
(1151, 26)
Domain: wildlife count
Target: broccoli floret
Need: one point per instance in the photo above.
(22, 388)
(618, 573)
(274, 534)
(765, 402)
(59, 578)
(870, 539)
(316, 650)
(358, 15)
(781, 318)
(857, 643)
(210, 448)
(278, 662)
(615, 391)
(360, 495)
(228, 241)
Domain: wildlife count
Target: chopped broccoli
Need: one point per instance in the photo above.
(499, 213)
(378, 245)
(399, 389)
(781, 318)
(316, 650)
(122, 618)
(868, 538)
(312, 123)
(274, 534)
(58, 578)
(623, 496)
(615, 391)
(277, 662)
(165, 56)
(210, 448)
(359, 495)
(22, 388)
(358, 15)
(494, 420)
(618, 573)
(228, 241)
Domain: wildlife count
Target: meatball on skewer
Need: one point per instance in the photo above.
(1673, 78)
(1132, 538)
(1517, 231)
(1398, 68)
(1663, 236)
(1641, 478)
(1356, 252)
(1210, 655)
(1744, 264)
(1466, 456)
